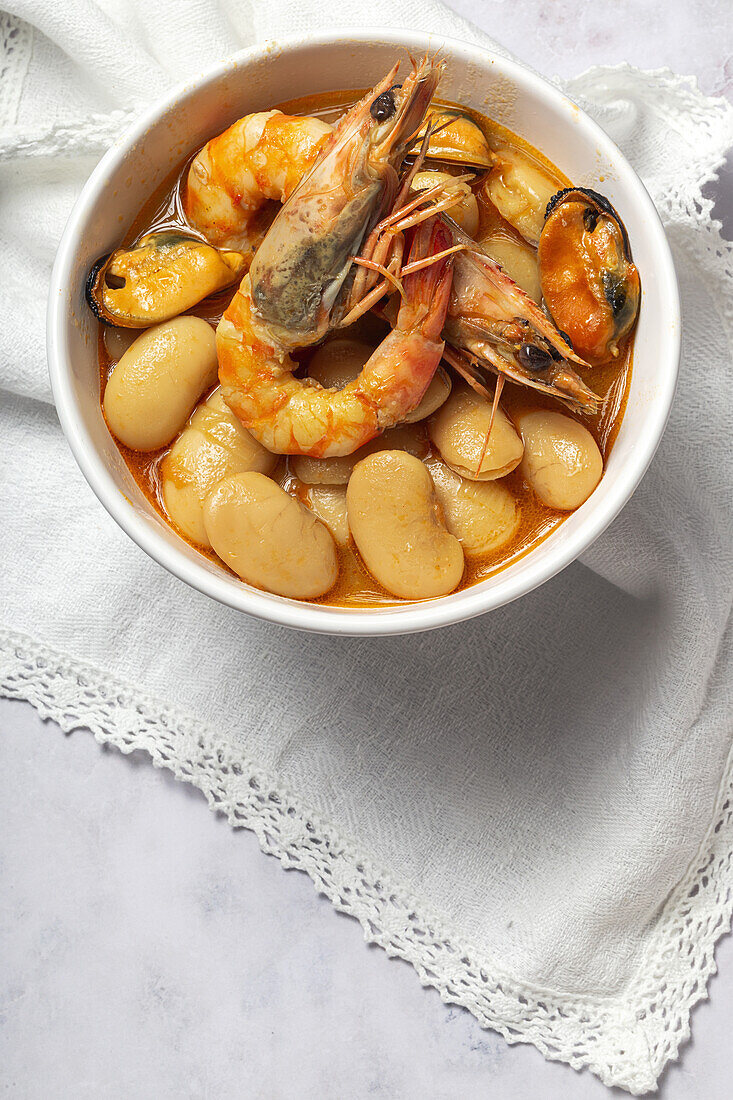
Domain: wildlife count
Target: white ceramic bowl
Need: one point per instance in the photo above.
(254, 80)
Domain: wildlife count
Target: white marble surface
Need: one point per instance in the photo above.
(147, 950)
(150, 952)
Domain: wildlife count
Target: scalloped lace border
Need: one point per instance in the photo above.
(626, 1040)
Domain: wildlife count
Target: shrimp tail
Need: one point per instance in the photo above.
(427, 292)
(403, 366)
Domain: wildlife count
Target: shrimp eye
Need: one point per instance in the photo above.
(533, 358)
(383, 106)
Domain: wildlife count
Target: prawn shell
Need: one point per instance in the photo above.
(491, 320)
(160, 277)
(458, 140)
(589, 283)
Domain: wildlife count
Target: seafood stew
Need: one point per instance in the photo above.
(401, 396)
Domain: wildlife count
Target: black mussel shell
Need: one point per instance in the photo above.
(596, 201)
(93, 280)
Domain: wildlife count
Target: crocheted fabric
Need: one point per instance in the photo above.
(558, 861)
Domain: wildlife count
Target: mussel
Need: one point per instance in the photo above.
(455, 139)
(589, 283)
(162, 275)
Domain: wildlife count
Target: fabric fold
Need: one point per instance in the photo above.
(533, 808)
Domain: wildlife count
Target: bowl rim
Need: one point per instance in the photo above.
(348, 621)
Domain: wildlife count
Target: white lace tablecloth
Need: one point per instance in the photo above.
(534, 808)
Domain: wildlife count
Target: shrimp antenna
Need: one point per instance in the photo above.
(419, 265)
(497, 394)
(467, 368)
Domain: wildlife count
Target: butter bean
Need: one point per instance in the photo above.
(395, 519)
(158, 380)
(212, 446)
(270, 539)
(459, 428)
(118, 340)
(561, 462)
(518, 260)
(337, 471)
(464, 213)
(338, 361)
(520, 190)
(483, 515)
(328, 503)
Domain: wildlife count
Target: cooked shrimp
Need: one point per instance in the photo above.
(293, 293)
(290, 415)
(262, 156)
(501, 329)
(266, 155)
(301, 266)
